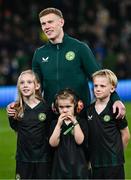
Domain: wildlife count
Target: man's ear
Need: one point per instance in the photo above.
(62, 22)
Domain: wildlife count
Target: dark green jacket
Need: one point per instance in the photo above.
(69, 64)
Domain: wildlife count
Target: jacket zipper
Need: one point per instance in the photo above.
(57, 66)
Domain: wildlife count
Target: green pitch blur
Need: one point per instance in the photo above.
(8, 147)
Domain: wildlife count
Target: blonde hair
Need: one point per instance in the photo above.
(49, 11)
(19, 105)
(108, 74)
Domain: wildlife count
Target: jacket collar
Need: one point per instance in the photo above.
(65, 37)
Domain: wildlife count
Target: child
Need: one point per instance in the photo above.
(68, 136)
(108, 136)
(31, 124)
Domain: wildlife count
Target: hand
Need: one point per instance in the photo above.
(72, 118)
(61, 118)
(121, 109)
(10, 109)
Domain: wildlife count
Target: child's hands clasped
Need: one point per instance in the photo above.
(66, 117)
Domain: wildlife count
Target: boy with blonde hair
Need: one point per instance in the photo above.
(108, 136)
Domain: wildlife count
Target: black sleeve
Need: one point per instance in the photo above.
(115, 97)
(13, 123)
(50, 121)
(84, 127)
(121, 123)
(52, 127)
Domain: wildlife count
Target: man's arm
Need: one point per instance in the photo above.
(90, 66)
(10, 109)
(118, 105)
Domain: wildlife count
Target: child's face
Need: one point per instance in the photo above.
(66, 106)
(27, 85)
(102, 87)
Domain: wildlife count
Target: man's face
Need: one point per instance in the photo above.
(52, 26)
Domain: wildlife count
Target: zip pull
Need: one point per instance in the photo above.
(58, 47)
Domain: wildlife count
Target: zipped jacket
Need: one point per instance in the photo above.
(69, 64)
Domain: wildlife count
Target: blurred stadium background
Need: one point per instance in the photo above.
(104, 25)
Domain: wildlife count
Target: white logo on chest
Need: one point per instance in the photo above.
(45, 59)
(90, 118)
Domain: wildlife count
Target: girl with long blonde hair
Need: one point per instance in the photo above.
(31, 122)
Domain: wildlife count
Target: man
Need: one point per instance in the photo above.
(64, 62)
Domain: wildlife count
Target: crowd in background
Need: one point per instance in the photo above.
(104, 25)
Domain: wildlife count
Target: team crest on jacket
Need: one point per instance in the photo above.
(42, 116)
(70, 55)
(107, 118)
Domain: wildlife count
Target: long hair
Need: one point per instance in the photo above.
(19, 105)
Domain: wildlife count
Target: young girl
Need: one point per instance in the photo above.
(31, 124)
(69, 134)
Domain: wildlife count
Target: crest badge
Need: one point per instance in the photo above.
(70, 55)
(107, 118)
(42, 116)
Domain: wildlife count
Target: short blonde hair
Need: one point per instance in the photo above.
(108, 74)
(49, 11)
